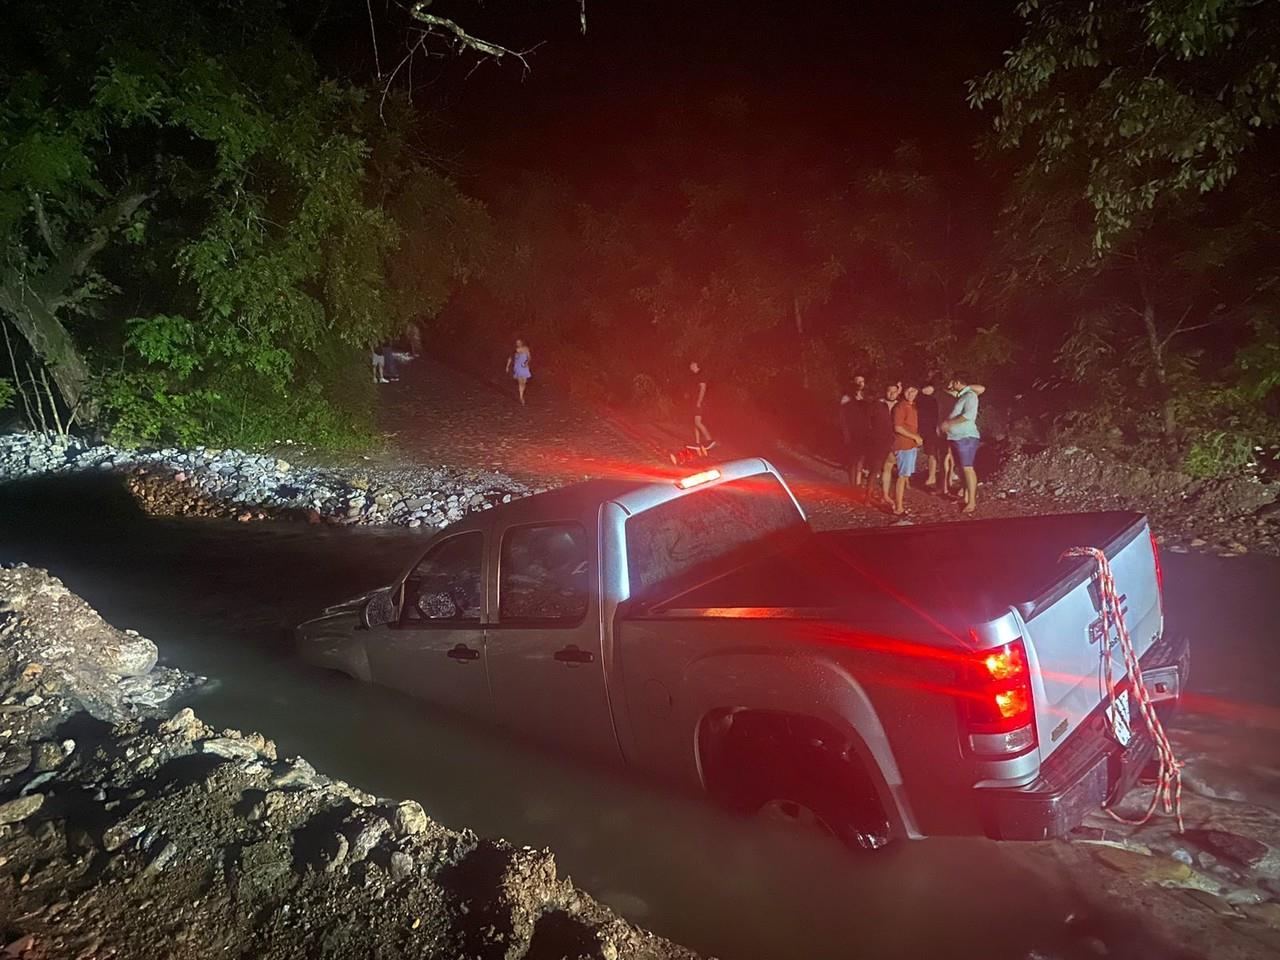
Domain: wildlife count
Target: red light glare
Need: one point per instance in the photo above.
(1013, 702)
(697, 479)
(1007, 663)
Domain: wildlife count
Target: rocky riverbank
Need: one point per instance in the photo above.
(1229, 516)
(253, 486)
(128, 833)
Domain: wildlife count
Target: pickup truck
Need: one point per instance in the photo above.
(881, 684)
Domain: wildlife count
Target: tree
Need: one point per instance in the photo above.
(1141, 102)
(187, 203)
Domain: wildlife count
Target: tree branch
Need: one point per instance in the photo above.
(461, 38)
(42, 222)
(54, 285)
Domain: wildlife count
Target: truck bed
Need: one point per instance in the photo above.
(942, 578)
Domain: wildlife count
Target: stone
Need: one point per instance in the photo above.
(117, 835)
(1231, 846)
(334, 852)
(46, 756)
(17, 810)
(282, 466)
(184, 724)
(369, 836)
(401, 865)
(299, 774)
(409, 819)
(229, 748)
(163, 857)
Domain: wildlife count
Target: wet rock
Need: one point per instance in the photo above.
(46, 756)
(1232, 846)
(334, 853)
(17, 810)
(410, 819)
(185, 725)
(368, 837)
(117, 835)
(401, 865)
(165, 855)
(229, 748)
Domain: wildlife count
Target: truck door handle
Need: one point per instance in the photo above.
(462, 653)
(572, 654)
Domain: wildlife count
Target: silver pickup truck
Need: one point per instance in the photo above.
(890, 683)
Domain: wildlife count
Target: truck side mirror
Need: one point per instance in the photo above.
(379, 609)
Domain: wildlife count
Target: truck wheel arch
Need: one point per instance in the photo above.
(748, 757)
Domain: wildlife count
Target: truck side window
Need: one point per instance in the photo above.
(544, 574)
(446, 584)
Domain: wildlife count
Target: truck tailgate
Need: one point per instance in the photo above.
(1064, 631)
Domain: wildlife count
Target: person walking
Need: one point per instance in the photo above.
(927, 413)
(906, 443)
(699, 382)
(518, 366)
(880, 443)
(854, 428)
(963, 436)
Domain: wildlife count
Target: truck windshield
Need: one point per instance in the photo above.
(668, 544)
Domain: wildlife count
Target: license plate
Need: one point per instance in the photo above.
(1119, 724)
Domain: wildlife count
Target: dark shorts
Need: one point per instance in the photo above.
(965, 450)
(933, 445)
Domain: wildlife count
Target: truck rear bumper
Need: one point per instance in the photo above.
(1088, 771)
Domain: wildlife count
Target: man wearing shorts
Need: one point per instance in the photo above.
(699, 382)
(906, 444)
(962, 433)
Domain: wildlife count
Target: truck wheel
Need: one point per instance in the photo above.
(793, 770)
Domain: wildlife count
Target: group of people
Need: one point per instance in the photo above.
(892, 432)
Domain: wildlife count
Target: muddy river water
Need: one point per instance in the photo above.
(217, 597)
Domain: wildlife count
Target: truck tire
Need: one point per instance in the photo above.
(792, 768)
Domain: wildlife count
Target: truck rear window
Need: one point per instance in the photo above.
(701, 529)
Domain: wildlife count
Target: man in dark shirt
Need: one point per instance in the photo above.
(927, 411)
(700, 383)
(855, 408)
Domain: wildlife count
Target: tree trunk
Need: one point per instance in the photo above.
(32, 304)
(52, 343)
(1168, 418)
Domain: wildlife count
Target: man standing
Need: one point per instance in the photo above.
(854, 428)
(881, 442)
(962, 433)
(701, 435)
(927, 411)
(906, 441)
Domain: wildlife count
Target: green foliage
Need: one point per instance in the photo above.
(7, 392)
(238, 297)
(1143, 101)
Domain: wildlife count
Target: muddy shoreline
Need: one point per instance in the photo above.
(125, 832)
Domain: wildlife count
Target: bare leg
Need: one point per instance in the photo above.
(899, 491)
(948, 468)
(520, 381)
(701, 435)
(970, 489)
(932, 462)
(886, 477)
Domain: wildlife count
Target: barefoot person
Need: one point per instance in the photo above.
(882, 438)
(906, 442)
(962, 433)
(855, 411)
(518, 366)
(701, 435)
(927, 410)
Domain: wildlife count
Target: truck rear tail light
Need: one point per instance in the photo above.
(696, 479)
(998, 710)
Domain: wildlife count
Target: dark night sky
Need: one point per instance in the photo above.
(856, 76)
